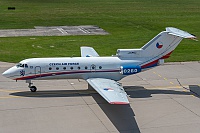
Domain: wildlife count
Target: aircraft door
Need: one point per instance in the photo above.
(93, 68)
(38, 70)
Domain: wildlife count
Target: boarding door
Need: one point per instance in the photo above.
(37, 71)
(93, 68)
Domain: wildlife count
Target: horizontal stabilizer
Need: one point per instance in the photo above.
(88, 52)
(180, 33)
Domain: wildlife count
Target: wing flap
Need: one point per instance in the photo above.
(110, 90)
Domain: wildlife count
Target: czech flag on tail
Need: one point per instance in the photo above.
(159, 45)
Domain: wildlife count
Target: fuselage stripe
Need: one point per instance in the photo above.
(155, 62)
(62, 73)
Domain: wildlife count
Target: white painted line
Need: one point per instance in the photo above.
(84, 30)
(62, 31)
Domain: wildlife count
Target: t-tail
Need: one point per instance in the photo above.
(156, 50)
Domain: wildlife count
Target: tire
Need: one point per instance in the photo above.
(33, 89)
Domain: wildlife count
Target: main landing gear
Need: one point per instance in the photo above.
(32, 88)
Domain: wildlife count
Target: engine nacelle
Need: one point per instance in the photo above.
(129, 53)
(130, 69)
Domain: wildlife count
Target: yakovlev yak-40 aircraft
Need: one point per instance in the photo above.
(102, 73)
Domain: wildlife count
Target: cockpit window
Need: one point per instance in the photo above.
(26, 66)
(22, 65)
(17, 65)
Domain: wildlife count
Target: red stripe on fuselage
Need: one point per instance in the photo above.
(167, 55)
(154, 63)
(61, 73)
(150, 64)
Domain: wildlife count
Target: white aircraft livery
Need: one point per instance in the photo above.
(102, 73)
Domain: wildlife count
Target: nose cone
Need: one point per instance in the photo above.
(10, 73)
(7, 73)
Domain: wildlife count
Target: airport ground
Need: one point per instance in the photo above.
(164, 99)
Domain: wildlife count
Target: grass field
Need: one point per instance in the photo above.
(131, 23)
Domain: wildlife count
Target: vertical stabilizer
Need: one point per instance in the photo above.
(162, 45)
(165, 42)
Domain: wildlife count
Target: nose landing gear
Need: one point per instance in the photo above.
(32, 88)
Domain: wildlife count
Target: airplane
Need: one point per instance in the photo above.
(102, 73)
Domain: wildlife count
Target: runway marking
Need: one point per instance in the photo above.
(62, 31)
(193, 95)
(84, 30)
(163, 77)
(10, 91)
(165, 87)
(5, 97)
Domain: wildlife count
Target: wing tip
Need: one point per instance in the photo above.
(122, 103)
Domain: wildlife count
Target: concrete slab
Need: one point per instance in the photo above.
(164, 99)
(55, 31)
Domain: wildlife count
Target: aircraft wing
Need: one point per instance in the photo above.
(110, 90)
(88, 52)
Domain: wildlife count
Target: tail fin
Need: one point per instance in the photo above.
(165, 42)
(160, 47)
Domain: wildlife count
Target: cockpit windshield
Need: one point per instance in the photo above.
(22, 65)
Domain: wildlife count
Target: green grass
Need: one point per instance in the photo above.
(131, 23)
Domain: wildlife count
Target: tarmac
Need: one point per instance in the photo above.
(164, 99)
(54, 31)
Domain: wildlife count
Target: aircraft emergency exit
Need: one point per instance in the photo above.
(102, 73)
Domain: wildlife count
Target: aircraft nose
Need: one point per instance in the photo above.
(9, 73)
(6, 73)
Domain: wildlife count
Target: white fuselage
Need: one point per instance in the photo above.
(70, 68)
(126, 61)
(100, 72)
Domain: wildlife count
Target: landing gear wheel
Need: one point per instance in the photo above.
(33, 89)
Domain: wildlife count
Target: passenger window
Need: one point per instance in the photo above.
(71, 68)
(50, 68)
(57, 68)
(100, 67)
(85, 67)
(64, 68)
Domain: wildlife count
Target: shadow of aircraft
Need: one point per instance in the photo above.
(54, 93)
(141, 92)
(195, 89)
(132, 91)
(121, 116)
